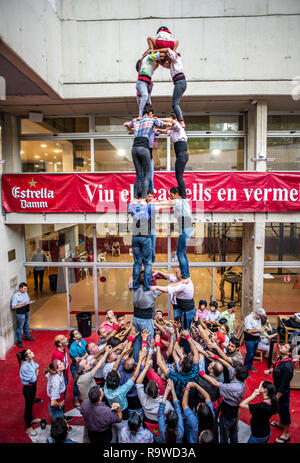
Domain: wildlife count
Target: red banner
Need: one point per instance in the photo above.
(98, 193)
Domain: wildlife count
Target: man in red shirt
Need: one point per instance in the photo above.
(60, 353)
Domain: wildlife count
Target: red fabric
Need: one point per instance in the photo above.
(59, 355)
(164, 44)
(100, 193)
(153, 376)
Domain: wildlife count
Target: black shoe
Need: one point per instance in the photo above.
(19, 344)
(43, 423)
(30, 338)
(35, 289)
(38, 401)
(68, 418)
(253, 369)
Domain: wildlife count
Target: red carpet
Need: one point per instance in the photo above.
(12, 425)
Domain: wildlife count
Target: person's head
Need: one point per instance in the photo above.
(177, 322)
(150, 196)
(112, 357)
(269, 391)
(171, 427)
(109, 314)
(56, 366)
(285, 349)
(152, 389)
(95, 394)
(215, 368)
(206, 418)
(175, 192)
(213, 306)
(113, 380)
(233, 345)
(102, 333)
(113, 342)
(159, 316)
(23, 287)
(146, 111)
(141, 277)
(264, 320)
(178, 273)
(24, 356)
(59, 429)
(150, 111)
(259, 313)
(224, 329)
(220, 338)
(139, 194)
(134, 422)
(163, 28)
(121, 320)
(92, 348)
(207, 437)
(241, 373)
(129, 365)
(231, 307)
(186, 363)
(60, 341)
(202, 305)
(75, 335)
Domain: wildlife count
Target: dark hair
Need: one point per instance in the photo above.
(235, 341)
(59, 429)
(71, 338)
(108, 310)
(217, 368)
(271, 391)
(87, 349)
(213, 304)
(134, 422)
(161, 28)
(231, 304)
(178, 318)
(241, 372)
(202, 302)
(137, 66)
(146, 110)
(21, 356)
(57, 343)
(120, 315)
(113, 342)
(150, 192)
(94, 394)
(21, 285)
(206, 419)
(207, 437)
(264, 320)
(113, 380)
(171, 429)
(79, 372)
(149, 109)
(152, 389)
(187, 364)
(139, 193)
(50, 368)
(175, 190)
(141, 277)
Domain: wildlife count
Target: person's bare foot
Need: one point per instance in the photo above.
(76, 403)
(182, 124)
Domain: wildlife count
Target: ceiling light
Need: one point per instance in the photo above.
(121, 152)
(22, 152)
(56, 151)
(46, 154)
(216, 151)
(43, 146)
(54, 157)
(37, 157)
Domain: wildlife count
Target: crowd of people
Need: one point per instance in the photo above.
(180, 385)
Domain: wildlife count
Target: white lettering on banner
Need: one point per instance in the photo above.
(277, 194)
(33, 205)
(31, 194)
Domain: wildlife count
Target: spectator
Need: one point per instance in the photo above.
(55, 388)
(20, 303)
(252, 331)
(86, 372)
(77, 351)
(213, 315)
(109, 322)
(134, 433)
(171, 424)
(229, 315)
(202, 311)
(59, 432)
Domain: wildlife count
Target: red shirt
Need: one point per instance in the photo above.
(63, 357)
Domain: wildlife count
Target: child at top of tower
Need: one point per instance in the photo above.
(164, 39)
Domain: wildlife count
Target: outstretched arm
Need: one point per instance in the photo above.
(159, 358)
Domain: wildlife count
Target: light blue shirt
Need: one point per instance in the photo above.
(20, 298)
(119, 395)
(28, 372)
(76, 350)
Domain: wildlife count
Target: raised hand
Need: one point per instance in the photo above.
(145, 334)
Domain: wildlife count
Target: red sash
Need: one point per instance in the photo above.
(281, 361)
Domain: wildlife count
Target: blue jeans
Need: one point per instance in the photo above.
(54, 412)
(153, 242)
(141, 324)
(186, 317)
(258, 440)
(142, 253)
(251, 347)
(22, 324)
(73, 369)
(143, 90)
(182, 242)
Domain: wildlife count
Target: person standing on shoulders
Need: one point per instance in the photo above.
(21, 304)
(283, 372)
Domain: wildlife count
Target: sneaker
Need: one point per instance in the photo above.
(19, 344)
(68, 418)
(30, 338)
(38, 401)
(253, 369)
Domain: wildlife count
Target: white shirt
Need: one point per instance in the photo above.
(176, 63)
(182, 291)
(108, 367)
(213, 316)
(252, 323)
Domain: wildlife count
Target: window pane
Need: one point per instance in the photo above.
(110, 124)
(56, 156)
(284, 122)
(56, 125)
(282, 241)
(214, 123)
(59, 242)
(81, 290)
(213, 154)
(212, 242)
(228, 287)
(281, 296)
(286, 151)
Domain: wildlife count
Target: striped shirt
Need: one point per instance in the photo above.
(55, 386)
(142, 436)
(144, 127)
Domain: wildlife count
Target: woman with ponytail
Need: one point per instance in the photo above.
(261, 412)
(55, 388)
(170, 425)
(29, 371)
(134, 433)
